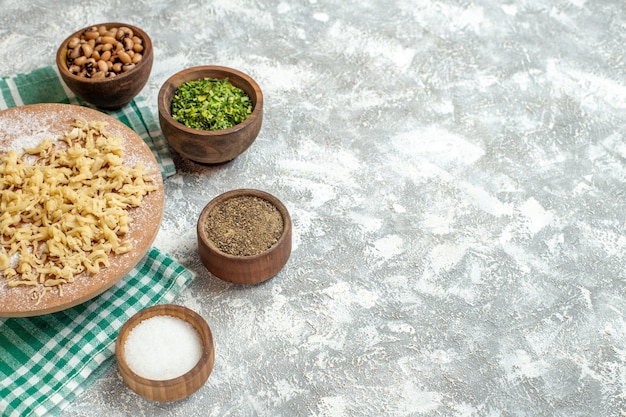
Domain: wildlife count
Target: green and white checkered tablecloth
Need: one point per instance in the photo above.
(47, 361)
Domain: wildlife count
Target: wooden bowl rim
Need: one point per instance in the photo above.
(287, 226)
(164, 310)
(164, 105)
(62, 62)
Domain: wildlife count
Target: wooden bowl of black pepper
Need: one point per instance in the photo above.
(244, 236)
(211, 144)
(106, 64)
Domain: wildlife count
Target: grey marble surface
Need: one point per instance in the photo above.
(455, 174)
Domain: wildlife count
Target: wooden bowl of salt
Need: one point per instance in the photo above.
(244, 236)
(165, 352)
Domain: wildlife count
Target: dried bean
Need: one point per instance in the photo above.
(123, 32)
(102, 66)
(92, 33)
(87, 50)
(109, 39)
(74, 53)
(80, 61)
(73, 43)
(90, 65)
(101, 52)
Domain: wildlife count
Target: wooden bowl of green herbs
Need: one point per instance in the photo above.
(210, 114)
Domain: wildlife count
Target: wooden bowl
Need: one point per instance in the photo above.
(210, 146)
(175, 388)
(108, 93)
(240, 269)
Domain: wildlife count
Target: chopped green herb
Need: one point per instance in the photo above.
(210, 104)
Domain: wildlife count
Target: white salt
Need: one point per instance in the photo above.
(162, 347)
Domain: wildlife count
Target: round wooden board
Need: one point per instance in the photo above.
(26, 126)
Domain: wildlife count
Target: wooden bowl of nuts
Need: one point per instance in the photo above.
(106, 64)
(165, 352)
(244, 236)
(210, 114)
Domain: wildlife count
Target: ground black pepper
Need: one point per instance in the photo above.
(244, 225)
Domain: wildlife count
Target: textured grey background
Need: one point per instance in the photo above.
(455, 173)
